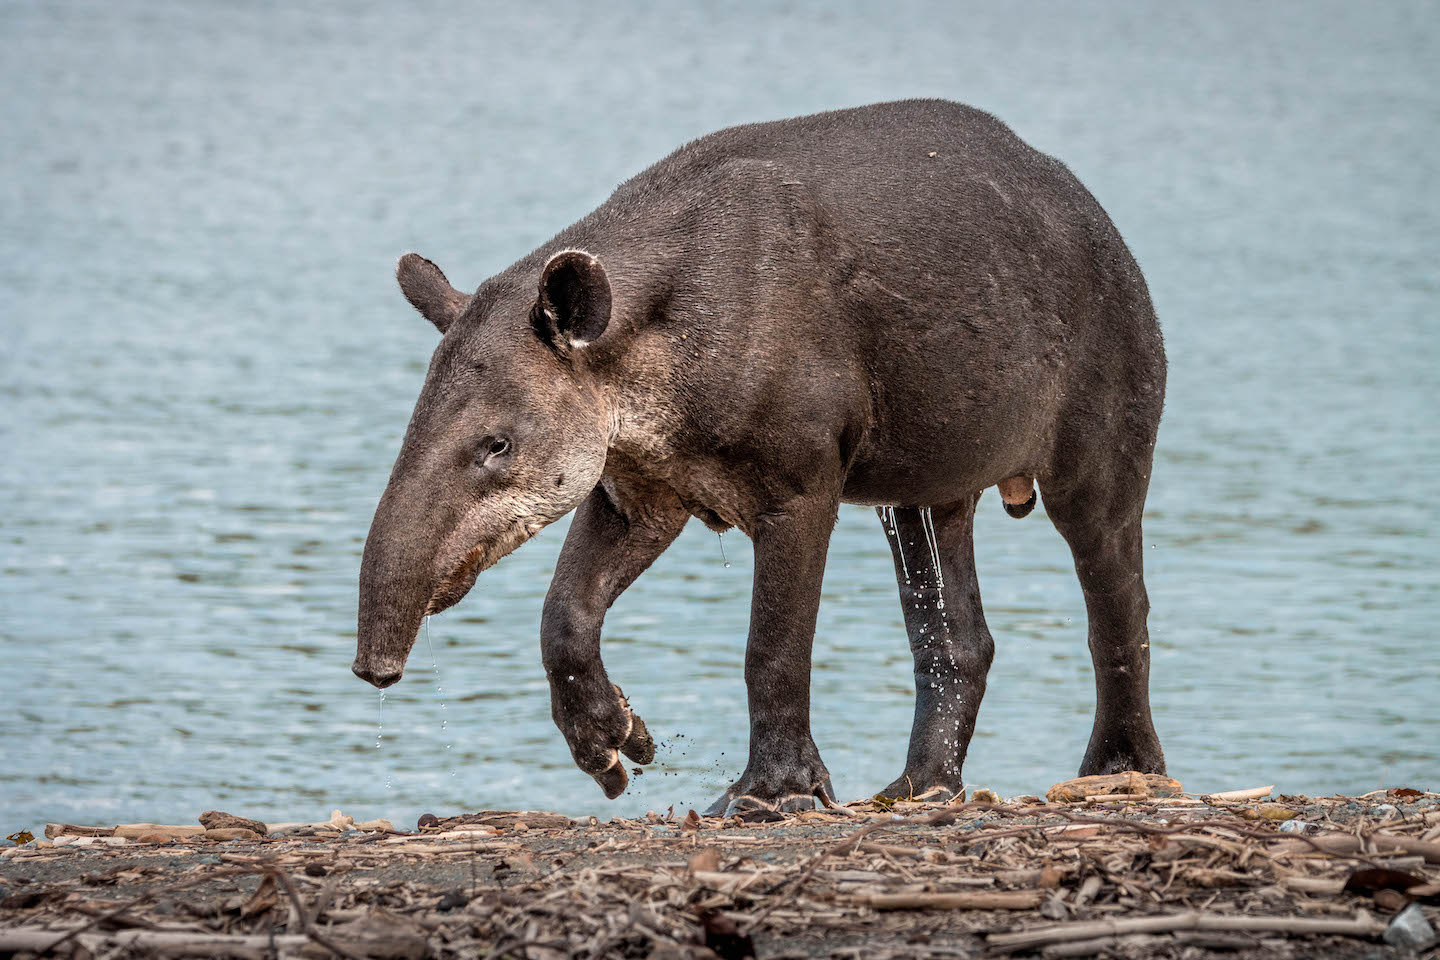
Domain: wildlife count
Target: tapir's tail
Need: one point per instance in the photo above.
(1018, 494)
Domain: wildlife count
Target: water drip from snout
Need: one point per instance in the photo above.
(440, 691)
(722, 550)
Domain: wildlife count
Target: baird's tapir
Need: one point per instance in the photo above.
(897, 305)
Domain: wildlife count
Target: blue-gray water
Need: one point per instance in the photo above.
(206, 369)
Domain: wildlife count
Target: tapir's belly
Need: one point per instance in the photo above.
(935, 448)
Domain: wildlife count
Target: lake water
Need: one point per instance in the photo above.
(206, 370)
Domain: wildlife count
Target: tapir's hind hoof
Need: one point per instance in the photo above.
(1018, 510)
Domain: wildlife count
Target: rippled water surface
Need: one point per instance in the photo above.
(206, 369)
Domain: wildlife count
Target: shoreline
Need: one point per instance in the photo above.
(1125, 874)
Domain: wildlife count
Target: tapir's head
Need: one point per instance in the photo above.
(509, 434)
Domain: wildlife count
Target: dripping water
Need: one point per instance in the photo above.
(380, 735)
(894, 528)
(722, 550)
(440, 692)
(928, 523)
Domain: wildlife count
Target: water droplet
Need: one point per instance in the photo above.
(439, 687)
(722, 550)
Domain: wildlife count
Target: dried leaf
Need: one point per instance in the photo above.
(21, 838)
(1381, 878)
(1276, 811)
(691, 823)
(265, 896)
(705, 860)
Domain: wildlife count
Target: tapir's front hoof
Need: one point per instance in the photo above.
(639, 746)
(777, 789)
(599, 729)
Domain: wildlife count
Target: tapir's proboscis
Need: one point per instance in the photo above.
(897, 305)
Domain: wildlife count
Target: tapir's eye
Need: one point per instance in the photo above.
(492, 448)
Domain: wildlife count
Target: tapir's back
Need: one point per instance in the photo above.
(981, 281)
(938, 203)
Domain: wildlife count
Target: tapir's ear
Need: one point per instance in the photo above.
(575, 297)
(428, 291)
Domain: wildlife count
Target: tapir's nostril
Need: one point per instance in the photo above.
(369, 676)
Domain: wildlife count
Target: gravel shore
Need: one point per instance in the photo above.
(1154, 877)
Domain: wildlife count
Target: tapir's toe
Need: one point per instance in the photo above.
(639, 746)
(613, 780)
(780, 788)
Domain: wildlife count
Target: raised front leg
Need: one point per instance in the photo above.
(610, 543)
(935, 566)
(784, 771)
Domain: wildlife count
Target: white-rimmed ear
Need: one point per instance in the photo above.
(429, 292)
(575, 298)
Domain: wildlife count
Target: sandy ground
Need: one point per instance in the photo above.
(1175, 877)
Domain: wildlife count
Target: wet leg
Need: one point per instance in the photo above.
(935, 565)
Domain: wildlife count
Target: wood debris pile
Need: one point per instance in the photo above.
(1156, 874)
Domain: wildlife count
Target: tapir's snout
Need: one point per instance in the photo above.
(378, 677)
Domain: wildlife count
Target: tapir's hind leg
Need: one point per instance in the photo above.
(1099, 516)
(935, 565)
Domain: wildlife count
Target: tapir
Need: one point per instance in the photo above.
(899, 306)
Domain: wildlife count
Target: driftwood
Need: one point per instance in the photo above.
(189, 943)
(1376, 844)
(1131, 785)
(964, 900)
(1254, 793)
(132, 831)
(1362, 926)
(53, 830)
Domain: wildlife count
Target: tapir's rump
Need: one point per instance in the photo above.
(898, 305)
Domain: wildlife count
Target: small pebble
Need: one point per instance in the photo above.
(453, 900)
(1410, 929)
